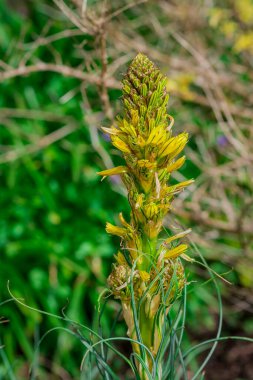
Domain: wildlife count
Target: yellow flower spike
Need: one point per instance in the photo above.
(115, 230)
(176, 165)
(113, 171)
(175, 252)
(144, 135)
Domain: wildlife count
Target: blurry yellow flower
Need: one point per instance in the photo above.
(181, 84)
(244, 42)
(244, 9)
(216, 15)
(54, 218)
(229, 28)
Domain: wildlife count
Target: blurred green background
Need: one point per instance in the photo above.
(60, 69)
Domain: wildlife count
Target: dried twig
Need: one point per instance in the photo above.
(42, 143)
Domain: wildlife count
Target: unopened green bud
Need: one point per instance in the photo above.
(144, 89)
(127, 89)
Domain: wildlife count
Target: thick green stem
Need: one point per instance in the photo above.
(150, 335)
(149, 251)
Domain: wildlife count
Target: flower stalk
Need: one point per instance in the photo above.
(148, 274)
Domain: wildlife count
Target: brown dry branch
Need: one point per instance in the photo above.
(42, 143)
(7, 113)
(60, 69)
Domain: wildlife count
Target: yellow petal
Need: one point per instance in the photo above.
(139, 201)
(156, 135)
(146, 164)
(150, 210)
(176, 165)
(179, 186)
(113, 171)
(144, 275)
(115, 230)
(121, 145)
(175, 252)
(185, 183)
(175, 144)
(128, 128)
(123, 221)
(141, 141)
(120, 258)
(110, 131)
(177, 236)
(135, 117)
